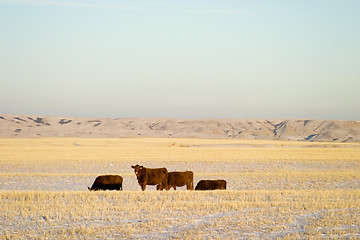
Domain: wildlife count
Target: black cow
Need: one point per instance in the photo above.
(104, 182)
(151, 176)
(211, 185)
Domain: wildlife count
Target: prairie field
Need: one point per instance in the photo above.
(275, 189)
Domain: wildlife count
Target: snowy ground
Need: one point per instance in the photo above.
(186, 215)
(281, 192)
(239, 176)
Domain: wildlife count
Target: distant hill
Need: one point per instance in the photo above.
(280, 129)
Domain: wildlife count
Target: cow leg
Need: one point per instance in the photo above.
(143, 186)
(165, 185)
(174, 187)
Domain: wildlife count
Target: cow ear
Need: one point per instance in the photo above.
(133, 166)
(141, 167)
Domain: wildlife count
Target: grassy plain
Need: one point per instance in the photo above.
(276, 189)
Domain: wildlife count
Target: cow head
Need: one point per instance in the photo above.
(137, 170)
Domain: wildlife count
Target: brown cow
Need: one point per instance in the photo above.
(179, 179)
(151, 176)
(104, 182)
(211, 185)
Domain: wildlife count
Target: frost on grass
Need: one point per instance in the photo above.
(189, 215)
(274, 192)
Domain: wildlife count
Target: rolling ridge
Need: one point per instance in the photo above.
(271, 129)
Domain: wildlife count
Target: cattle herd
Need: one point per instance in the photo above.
(159, 177)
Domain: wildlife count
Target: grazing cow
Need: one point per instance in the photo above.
(151, 176)
(211, 185)
(179, 179)
(104, 182)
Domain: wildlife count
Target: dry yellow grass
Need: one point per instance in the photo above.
(190, 215)
(275, 190)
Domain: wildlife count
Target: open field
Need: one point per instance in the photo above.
(276, 189)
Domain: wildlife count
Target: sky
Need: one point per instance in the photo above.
(181, 59)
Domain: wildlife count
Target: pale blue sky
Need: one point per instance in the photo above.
(181, 59)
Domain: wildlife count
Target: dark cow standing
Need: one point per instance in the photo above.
(179, 179)
(211, 185)
(151, 176)
(104, 182)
